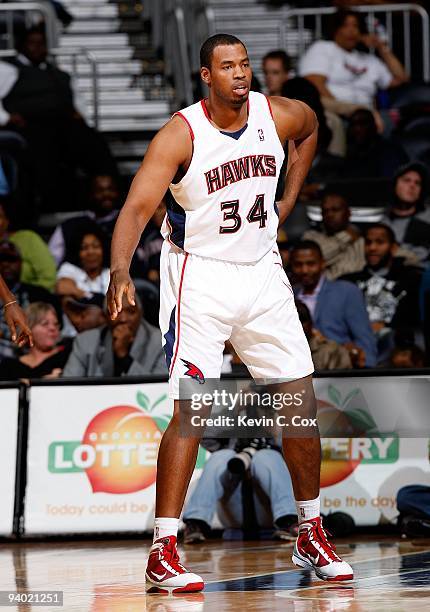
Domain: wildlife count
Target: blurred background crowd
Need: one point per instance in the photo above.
(356, 247)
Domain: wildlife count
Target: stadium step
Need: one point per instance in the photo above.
(133, 95)
(260, 31)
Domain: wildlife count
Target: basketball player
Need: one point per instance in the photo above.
(14, 317)
(221, 279)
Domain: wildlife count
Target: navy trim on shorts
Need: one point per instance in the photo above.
(170, 336)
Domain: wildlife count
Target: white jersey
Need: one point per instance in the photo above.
(225, 204)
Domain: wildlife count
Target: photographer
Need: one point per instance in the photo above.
(247, 482)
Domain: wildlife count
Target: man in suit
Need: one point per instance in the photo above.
(127, 346)
(337, 307)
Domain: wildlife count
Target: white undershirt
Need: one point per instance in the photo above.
(83, 281)
(352, 76)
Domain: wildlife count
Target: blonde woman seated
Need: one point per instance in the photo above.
(47, 357)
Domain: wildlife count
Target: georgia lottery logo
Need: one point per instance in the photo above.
(350, 437)
(118, 450)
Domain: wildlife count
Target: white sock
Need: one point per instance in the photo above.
(308, 509)
(165, 527)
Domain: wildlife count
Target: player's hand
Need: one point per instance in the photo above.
(17, 323)
(356, 354)
(372, 41)
(120, 284)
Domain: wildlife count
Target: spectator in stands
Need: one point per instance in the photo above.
(284, 247)
(267, 482)
(276, 67)
(104, 205)
(127, 346)
(4, 183)
(407, 357)
(390, 288)
(337, 307)
(368, 154)
(326, 354)
(425, 309)
(299, 88)
(328, 162)
(47, 357)
(38, 266)
(413, 504)
(340, 241)
(37, 100)
(15, 176)
(25, 293)
(347, 78)
(86, 270)
(85, 313)
(408, 216)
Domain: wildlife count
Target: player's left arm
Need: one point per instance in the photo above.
(296, 123)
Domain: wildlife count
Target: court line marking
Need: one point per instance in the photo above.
(293, 569)
(245, 548)
(352, 582)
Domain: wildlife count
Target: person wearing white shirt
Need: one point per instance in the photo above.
(85, 272)
(346, 77)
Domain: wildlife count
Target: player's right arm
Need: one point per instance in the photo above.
(169, 151)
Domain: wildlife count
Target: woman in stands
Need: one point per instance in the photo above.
(46, 357)
(14, 317)
(346, 77)
(85, 271)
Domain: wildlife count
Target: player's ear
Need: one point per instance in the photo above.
(205, 75)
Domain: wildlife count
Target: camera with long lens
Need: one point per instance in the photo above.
(241, 462)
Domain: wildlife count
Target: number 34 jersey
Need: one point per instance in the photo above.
(224, 206)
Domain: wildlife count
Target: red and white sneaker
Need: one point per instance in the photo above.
(312, 549)
(165, 574)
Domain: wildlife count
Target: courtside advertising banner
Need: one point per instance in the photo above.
(92, 454)
(361, 475)
(9, 401)
(92, 451)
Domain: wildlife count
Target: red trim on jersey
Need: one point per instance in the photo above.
(179, 314)
(269, 105)
(187, 122)
(205, 110)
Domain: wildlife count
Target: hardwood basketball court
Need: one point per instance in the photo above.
(391, 574)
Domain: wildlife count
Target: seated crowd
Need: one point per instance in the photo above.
(362, 287)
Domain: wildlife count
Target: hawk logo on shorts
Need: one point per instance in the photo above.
(193, 371)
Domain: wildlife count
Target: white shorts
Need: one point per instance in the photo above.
(205, 302)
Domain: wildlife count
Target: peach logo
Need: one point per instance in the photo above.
(349, 436)
(119, 448)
